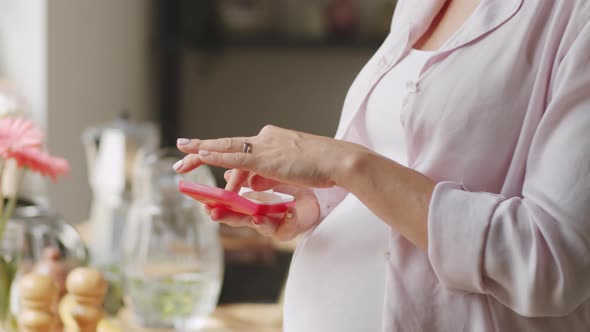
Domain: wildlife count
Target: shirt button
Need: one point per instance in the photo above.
(412, 86)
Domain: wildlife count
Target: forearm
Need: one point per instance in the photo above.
(398, 195)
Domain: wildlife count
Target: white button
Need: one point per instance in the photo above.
(412, 86)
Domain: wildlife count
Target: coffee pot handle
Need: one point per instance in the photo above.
(90, 141)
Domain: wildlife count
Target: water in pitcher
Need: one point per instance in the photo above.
(182, 301)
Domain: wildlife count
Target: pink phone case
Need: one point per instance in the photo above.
(221, 198)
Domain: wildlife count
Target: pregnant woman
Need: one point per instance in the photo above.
(456, 194)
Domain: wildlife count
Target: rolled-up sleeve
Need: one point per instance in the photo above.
(532, 253)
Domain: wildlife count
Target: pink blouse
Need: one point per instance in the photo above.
(500, 118)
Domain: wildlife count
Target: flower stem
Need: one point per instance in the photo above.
(8, 270)
(7, 213)
(2, 163)
(2, 220)
(4, 288)
(9, 210)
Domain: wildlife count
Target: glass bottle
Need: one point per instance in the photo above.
(171, 253)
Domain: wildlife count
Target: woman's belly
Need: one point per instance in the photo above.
(337, 277)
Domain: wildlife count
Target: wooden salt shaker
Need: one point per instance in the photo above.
(88, 287)
(38, 294)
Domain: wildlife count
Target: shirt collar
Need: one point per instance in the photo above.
(418, 15)
(412, 19)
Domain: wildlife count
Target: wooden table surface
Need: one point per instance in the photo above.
(227, 318)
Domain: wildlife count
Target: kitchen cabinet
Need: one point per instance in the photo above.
(182, 26)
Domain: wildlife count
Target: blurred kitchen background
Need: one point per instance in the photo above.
(195, 68)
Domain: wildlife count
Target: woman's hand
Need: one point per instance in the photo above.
(278, 154)
(400, 196)
(303, 216)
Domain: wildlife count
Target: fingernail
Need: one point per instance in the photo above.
(227, 175)
(204, 153)
(178, 165)
(182, 141)
(256, 223)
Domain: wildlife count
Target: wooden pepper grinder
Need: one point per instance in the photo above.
(38, 294)
(53, 266)
(88, 287)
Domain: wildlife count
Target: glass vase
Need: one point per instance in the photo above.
(11, 246)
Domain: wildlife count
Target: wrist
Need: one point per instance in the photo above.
(355, 163)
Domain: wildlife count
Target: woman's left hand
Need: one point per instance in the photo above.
(279, 154)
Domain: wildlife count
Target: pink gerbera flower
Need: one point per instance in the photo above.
(17, 133)
(21, 140)
(40, 161)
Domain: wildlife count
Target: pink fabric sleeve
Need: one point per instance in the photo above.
(532, 253)
(328, 199)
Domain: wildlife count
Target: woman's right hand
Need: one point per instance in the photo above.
(300, 218)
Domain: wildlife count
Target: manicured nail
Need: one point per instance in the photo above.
(204, 153)
(178, 165)
(182, 141)
(256, 222)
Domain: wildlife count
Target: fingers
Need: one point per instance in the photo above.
(280, 226)
(236, 180)
(264, 225)
(234, 144)
(252, 180)
(287, 189)
(261, 183)
(227, 175)
(230, 218)
(239, 160)
(188, 163)
(288, 228)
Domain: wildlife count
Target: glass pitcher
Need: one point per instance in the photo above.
(171, 253)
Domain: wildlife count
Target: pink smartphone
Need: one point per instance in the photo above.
(249, 203)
